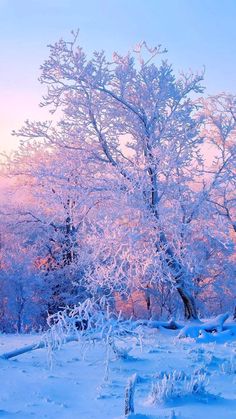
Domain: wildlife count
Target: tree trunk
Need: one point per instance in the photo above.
(179, 273)
(190, 310)
(171, 260)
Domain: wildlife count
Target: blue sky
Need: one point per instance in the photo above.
(195, 32)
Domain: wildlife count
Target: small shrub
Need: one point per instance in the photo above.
(177, 384)
(228, 367)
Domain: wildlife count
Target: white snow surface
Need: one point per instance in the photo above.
(86, 382)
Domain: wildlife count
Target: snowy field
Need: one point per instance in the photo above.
(83, 381)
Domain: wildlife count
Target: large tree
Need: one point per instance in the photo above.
(137, 130)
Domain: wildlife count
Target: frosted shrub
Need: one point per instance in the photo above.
(88, 322)
(196, 385)
(228, 367)
(121, 352)
(84, 319)
(104, 383)
(77, 320)
(166, 387)
(177, 384)
(53, 340)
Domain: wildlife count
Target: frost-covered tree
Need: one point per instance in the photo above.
(128, 149)
(45, 215)
(132, 131)
(219, 131)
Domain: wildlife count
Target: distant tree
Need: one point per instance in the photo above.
(45, 218)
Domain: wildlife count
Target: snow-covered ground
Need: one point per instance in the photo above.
(89, 381)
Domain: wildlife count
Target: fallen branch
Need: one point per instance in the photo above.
(215, 325)
(156, 324)
(33, 347)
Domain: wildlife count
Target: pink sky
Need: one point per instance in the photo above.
(16, 106)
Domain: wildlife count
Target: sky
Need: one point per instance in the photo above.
(197, 33)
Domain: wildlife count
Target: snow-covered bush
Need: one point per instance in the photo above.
(228, 367)
(177, 384)
(121, 352)
(90, 321)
